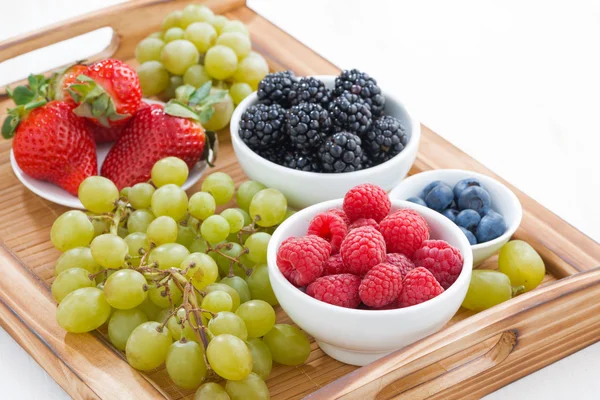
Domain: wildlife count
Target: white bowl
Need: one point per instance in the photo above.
(302, 188)
(504, 202)
(359, 337)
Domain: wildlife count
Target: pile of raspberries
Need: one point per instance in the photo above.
(363, 256)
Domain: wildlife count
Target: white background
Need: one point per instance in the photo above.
(516, 84)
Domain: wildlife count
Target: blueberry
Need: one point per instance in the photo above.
(450, 213)
(428, 188)
(469, 235)
(492, 225)
(417, 200)
(462, 185)
(468, 219)
(440, 197)
(476, 198)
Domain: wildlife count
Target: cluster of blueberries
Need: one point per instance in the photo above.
(468, 205)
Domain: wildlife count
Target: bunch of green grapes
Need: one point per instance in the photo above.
(178, 280)
(194, 47)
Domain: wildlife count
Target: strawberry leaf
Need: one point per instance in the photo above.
(177, 109)
(200, 94)
(206, 114)
(213, 98)
(183, 93)
(22, 95)
(9, 126)
(36, 82)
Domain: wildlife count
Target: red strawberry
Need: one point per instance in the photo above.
(60, 83)
(103, 134)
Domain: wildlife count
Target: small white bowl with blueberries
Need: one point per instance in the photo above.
(485, 210)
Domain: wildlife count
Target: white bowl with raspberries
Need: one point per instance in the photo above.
(366, 276)
(304, 188)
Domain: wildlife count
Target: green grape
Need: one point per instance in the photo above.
(189, 332)
(257, 244)
(236, 41)
(174, 324)
(185, 364)
(171, 20)
(137, 241)
(222, 113)
(157, 34)
(486, 289)
(202, 205)
(122, 323)
(247, 219)
(246, 192)
(101, 225)
(162, 315)
(219, 22)
(122, 232)
(168, 255)
(140, 195)
(156, 295)
(214, 229)
(185, 235)
(228, 322)
(258, 315)
(250, 388)
(149, 49)
(220, 185)
(83, 310)
(270, 206)
(234, 218)
(233, 250)
(78, 257)
(109, 250)
(169, 93)
(522, 264)
(229, 357)
(211, 391)
(154, 78)
(288, 344)
(216, 302)
(202, 34)
(235, 26)
(124, 192)
(193, 223)
(251, 70)
(69, 281)
(260, 285)
(195, 13)
(177, 56)
(72, 229)
(147, 346)
(98, 194)
(220, 62)
(170, 170)
(199, 245)
(125, 289)
(235, 297)
(262, 362)
(139, 220)
(201, 269)
(196, 76)
(239, 91)
(150, 309)
(175, 33)
(240, 285)
(170, 200)
(162, 230)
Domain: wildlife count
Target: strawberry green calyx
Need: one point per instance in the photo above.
(26, 99)
(94, 102)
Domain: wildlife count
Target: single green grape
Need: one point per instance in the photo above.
(257, 244)
(169, 93)
(236, 41)
(202, 34)
(101, 225)
(260, 285)
(124, 192)
(211, 391)
(522, 264)
(195, 13)
(162, 230)
(78, 257)
(220, 186)
(185, 235)
(220, 62)
(122, 323)
(168, 255)
(486, 289)
(201, 269)
(170, 170)
(137, 244)
(268, 207)
(235, 26)
(240, 285)
(235, 297)
(174, 324)
(170, 200)
(239, 91)
(147, 346)
(233, 250)
(159, 295)
(157, 34)
(250, 388)
(234, 218)
(98, 194)
(222, 113)
(175, 33)
(124, 289)
(247, 219)
(215, 229)
(258, 315)
(219, 22)
(177, 56)
(140, 195)
(72, 229)
(196, 76)
(150, 309)
(83, 310)
(288, 344)
(228, 322)
(262, 362)
(139, 220)
(185, 364)
(199, 245)
(163, 315)
(202, 205)
(171, 20)
(251, 70)
(194, 223)
(216, 301)
(148, 49)
(154, 78)
(246, 192)
(109, 250)
(229, 357)
(69, 281)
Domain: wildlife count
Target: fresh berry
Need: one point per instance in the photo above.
(363, 85)
(400, 261)
(428, 188)
(363, 222)
(418, 286)
(300, 160)
(367, 162)
(362, 249)
(392, 306)
(302, 259)
(262, 125)
(60, 82)
(386, 139)
(341, 152)
(339, 290)
(492, 226)
(381, 285)
(463, 184)
(468, 219)
(307, 125)
(273, 154)
(309, 90)
(341, 213)
(475, 198)
(441, 259)
(439, 197)
(367, 201)
(470, 237)
(275, 88)
(334, 265)
(417, 200)
(103, 134)
(404, 231)
(330, 227)
(451, 214)
(350, 113)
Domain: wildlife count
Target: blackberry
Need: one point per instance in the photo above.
(275, 88)
(273, 154)
(262, 125)
(341, 152)
(362, 84)
(309, 90)
(307, 125)
(350, 113)
(302, 161)
(386, 138)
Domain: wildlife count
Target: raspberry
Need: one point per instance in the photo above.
(339, 290)
(418, 286)
(341, 213)
(444, 261)
(330, 227)
(334, 266)
(404, 231)
(367, 201)
(301, 259)
(364, 222)
(400, 261)
(392, 306)
(362, 249)
(381, 285)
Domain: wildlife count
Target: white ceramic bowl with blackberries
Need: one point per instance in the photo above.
(314, 138)
(485, 210)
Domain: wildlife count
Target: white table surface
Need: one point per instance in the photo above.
(516, 84)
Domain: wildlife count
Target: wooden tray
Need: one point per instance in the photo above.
(472, 356)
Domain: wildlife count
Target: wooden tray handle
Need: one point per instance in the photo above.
(560, 318)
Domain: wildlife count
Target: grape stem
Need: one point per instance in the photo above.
(517, 290)
(117, 218)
